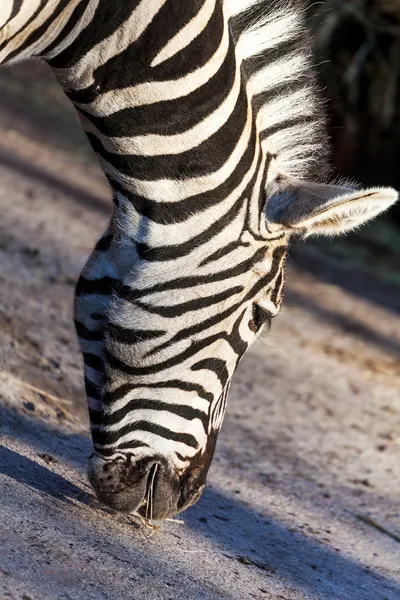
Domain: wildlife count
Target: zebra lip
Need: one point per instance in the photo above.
(162, 494)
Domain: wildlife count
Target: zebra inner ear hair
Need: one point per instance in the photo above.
(323, 209)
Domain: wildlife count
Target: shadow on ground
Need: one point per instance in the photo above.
(241, 534)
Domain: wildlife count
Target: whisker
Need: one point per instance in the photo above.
(151, 491)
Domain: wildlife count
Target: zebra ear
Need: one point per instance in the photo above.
(319, 209)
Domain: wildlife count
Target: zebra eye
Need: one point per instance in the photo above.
(260, 318)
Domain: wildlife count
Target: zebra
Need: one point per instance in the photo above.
(207, 121)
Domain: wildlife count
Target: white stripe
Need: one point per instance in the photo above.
(5, 12)
(144, 94)
(158, 145)
(84, 21)
(81, 75)
(170, 395)
(266, 34)
(51, 34)
(287, 69)
(163, 418)
(172, 190)
(265, 303)
(187, 34)
(156, 442)
(155, 234)
(23, 15)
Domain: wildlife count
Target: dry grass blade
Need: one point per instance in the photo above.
(366, 519)
(148, 518)
(150, 494)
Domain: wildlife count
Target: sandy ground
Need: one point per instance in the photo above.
(309, 450)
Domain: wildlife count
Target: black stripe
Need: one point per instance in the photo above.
(131, 336)
(278, 256)
(277, 288)
(221, 252)
(169, 117)
(238, 345)
(287, 48)
(16, 7)
(93, 361)
(133, 445)
(186, 412)
(127, 293)
(195, 329)
(104, 243)
(216, 365)
(172, 384)
(41, 31)
(162, 253)
(247, 18)
(116, 363)
(257, 13)
(179, 211)
(88, 334)
(280, 89)
(98, 316)
(77, 14)
(286, 124)
(177, 310)
(108, 17)
(96, 416)
(203, 159)
(112, 437)
(114, 75)
(103, 286)
(92, 390)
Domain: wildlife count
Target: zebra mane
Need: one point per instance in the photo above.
(274, 46)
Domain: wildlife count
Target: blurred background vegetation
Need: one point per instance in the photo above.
(357, 48)
(357, 51)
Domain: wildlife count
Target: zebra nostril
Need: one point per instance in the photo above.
(120, 484)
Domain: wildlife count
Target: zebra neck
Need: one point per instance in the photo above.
(172, 124)
(34, 28)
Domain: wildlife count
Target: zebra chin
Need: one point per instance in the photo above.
(149, 486)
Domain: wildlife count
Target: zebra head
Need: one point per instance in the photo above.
(206, 121)
(177, 325)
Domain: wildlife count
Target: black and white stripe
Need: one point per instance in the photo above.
(193, 109)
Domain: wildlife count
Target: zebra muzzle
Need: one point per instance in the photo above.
(145, 486)
(150, 486)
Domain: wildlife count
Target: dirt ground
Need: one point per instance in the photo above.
(303, 498)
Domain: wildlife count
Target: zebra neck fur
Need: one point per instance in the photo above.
(170, 153)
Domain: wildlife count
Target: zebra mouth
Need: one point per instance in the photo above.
(148, 487)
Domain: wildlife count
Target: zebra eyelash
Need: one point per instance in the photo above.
(260, 317)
